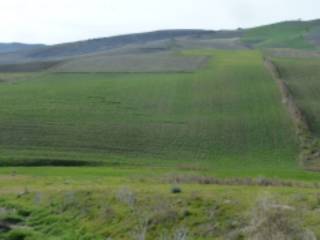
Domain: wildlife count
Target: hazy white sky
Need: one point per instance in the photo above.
(54, 21)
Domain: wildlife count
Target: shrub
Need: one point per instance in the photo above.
(24, 212)
(13, 219)
(21, 234)
(176, 190)
(126, 196)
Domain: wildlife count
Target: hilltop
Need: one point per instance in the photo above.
(122, 49)
(15, 47)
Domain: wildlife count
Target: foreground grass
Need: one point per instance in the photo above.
(95, 203)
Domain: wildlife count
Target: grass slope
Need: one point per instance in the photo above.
(226, 114)
(293, 34)
(14, 47)
(27, 67)
(302, 76)
(138, 203)
(104, 44)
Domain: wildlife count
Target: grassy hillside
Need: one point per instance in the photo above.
(302, 76)
(140, 203)
(293, 34)
(291, 53)
(27, 67)
(105, 44)
(13, 47)
(228, 113)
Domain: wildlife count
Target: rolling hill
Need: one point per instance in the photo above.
(125, 79)
(291, 34)
(14, 47)
(179, 134)
(67, 50)
(301, 75)
(227, 112)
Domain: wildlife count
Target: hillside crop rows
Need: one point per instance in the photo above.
(302, 79)
(229, 112)
(302, 76)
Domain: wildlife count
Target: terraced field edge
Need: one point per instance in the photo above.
(309, 155)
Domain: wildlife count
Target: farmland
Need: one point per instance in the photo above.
(166, 146)
(156, 62)
(295, 35)
(302, 76)
(167, 135)
(141, 118)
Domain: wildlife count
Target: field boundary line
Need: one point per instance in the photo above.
(309, 153)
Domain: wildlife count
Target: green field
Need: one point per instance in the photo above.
(281, 35)
(302, 76)
(207, 155)
(226, 113)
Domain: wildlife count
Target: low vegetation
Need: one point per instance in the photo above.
(135, 204)
(275, 221)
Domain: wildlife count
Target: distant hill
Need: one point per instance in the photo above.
(290, 34)
(14, 47)
(105, 44)
(164, 40)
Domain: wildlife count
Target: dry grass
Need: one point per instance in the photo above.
(259, 181)
(126, 196)
(273, 221)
